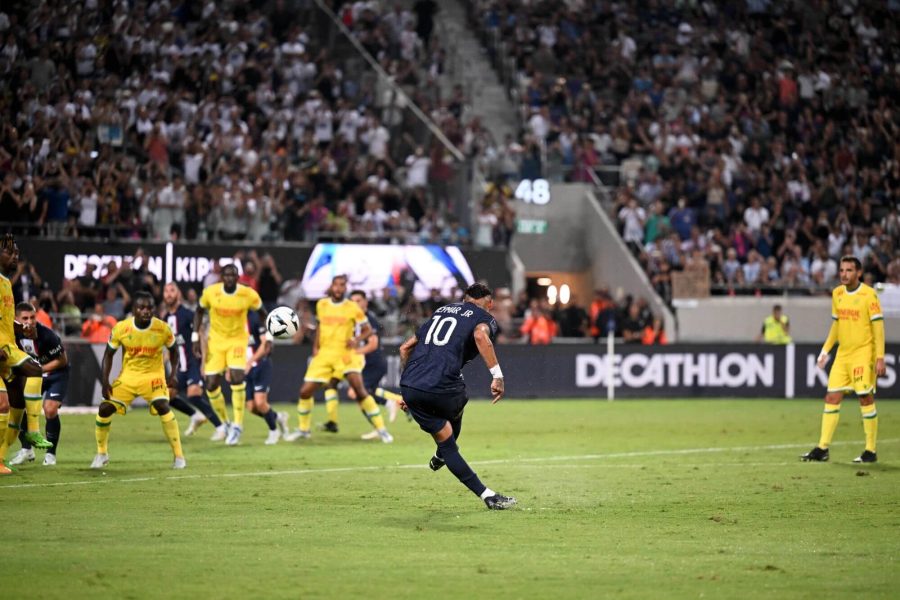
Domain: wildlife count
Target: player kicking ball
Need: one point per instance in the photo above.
(432, 384)
(142, 339)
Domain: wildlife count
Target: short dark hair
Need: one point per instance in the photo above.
(230, 266)
(359, 293)
(776, 307)
(24, 307)
(8, 242)
(336, 277)
(477, 291)
(143, 295)
(852, 259)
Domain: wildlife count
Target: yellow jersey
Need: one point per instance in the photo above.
(854, 312)
(7, 312)
(337, 322)
(143, 348)
(228, 312)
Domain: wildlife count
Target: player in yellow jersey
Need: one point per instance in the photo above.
(227, 303)
(335, 356)
(857, 326)
(15, 364)
(142, 339)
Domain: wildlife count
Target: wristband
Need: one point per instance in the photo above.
(269, 337)
(496, 373)
(195, 337)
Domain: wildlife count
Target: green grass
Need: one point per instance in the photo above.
(615, 499)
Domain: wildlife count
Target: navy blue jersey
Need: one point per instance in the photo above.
(257, 334)
(47, 347)
(446, 342)
(376, 356)
(181, 322)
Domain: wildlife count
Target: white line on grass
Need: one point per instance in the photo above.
(502, 461)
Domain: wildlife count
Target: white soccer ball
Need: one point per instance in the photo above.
(282, 322)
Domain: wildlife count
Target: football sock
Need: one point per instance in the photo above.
(12, 430)
(26, 445)
(203, 406)
(372, 412)
(217, 400)
(457, 429)
(170, 429)
(870, 425)
(332, 401)
(182, 406)
(101, 432)
(830, 419)
(386, 395)
(4, 421)
(459, 467)
(304, 413)
(54, 426)
(33, 413)
(271, 419)
(238, 400)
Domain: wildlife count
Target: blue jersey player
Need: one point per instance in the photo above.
(189, 393)
(42, 344)
(259, 378)
(432, 384)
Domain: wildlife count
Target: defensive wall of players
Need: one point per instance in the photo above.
(582, 371)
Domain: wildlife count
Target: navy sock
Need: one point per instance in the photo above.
(22, 428)
(378, 399)
(271, 418)
(202, 403)
(459, 467)
(181, 405)
(457, 429)
(53, 428)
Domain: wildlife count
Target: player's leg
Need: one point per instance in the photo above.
(368, 406)
(215, 366)
(33, 398)
(236, 362)
(259, 383)
(193, 389)
(54, 427)
(101, 433)
(332, 404)
(15, 391)
(170, 429)
(437, 461)
(865, 391)
(839, 382)
(305, 405)
(4, 416)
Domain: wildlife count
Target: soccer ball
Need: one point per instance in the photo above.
(282, 322)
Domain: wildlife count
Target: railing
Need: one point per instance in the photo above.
(64, 230)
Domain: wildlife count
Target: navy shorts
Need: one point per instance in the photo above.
(259, 379)
(432, 411)
(55, 385)
(373, 374)
(189, 377)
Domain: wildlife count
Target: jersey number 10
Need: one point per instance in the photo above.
(437, 333)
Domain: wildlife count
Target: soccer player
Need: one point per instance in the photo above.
(857, 326)
(44, 345)
(259, 379)
(228, 303)
(335, 356)
(142, 339)
(15, 364)
(432, 383)
(181, 321)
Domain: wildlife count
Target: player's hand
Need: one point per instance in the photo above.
(198, 350)
(823, 360)
(497, 389)
(172, 381)
(351, 344)
(402, 405)
(105, 390)
(880, 369)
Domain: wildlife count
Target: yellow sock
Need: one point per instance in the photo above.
(331, 404)
(4, 421)
(830, 419)
(217, 400)
(170, 428)
(870, 425)
(101, 432)
(304, 413)
(372, 412)
(238, 400)
(4, 427)
(388, 395)
(33, 413)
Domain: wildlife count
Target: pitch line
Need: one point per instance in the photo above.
(501, 461)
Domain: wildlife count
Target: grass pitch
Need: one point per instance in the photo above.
(633, 499)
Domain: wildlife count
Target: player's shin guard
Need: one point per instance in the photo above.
(217, 400)
(304, 413)
(204, 406)
(54, 426)
(101, 433)
(12, 430)
(238, 402)
(170, 429)
(372, 412)
(331, 404)
(870, 425)
(387, 394)
(830, 418)
(459, 467)
(33, 413)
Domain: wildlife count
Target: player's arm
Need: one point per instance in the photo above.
(365, 331)
(406, 349)
(106, 367)
(60, 361)
(486, 349)
(173, 361)
(264, 348)
(371, 345)
(832, 338)
(196, 347)
(876, 318)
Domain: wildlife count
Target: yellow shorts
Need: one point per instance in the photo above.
(326, 366)
(853, 373)
(14, 358)
(149, 386)
(228, 353)
(34, 388)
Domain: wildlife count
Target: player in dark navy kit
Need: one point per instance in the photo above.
(259, 378)
(189, 393)
(43, 345)
(432, 384)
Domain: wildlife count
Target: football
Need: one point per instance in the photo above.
(282, 322)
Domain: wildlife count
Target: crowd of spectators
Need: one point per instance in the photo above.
(756, 139)
(225, 120)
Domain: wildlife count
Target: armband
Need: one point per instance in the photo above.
(195, 337)
(496, 373)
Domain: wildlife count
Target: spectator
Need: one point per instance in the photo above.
(539, 326)
(776, 328)
(654, 334)
(117, 298)
(572, 319)
(632, 325)
(98, 326)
